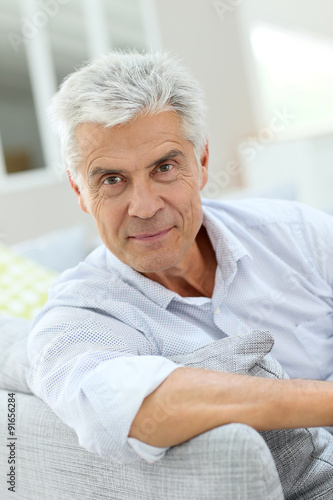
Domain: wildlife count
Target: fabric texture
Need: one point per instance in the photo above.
(230, 462)
(106, 326)
(227, 463)
(14, 364)
(303, 457)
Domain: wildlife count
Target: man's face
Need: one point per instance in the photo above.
(140, 181)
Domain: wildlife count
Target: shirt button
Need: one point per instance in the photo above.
(218, 310)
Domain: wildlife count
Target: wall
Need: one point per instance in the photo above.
(210, 47)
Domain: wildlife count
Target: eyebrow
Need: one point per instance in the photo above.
(168, 156)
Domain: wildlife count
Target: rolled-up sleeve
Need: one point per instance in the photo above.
(90, 370)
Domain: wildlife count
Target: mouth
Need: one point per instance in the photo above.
(151, 236)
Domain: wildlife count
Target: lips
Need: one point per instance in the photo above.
(149, 236)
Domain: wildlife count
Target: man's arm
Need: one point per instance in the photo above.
(191, 401)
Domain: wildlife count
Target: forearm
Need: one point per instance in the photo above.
(193, 400)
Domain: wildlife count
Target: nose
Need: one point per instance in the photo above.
(145, 202)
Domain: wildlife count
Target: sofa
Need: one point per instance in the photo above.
(231, 462)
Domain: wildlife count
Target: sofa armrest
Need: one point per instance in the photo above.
(226, 463)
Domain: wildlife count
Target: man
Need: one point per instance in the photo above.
(175, 274)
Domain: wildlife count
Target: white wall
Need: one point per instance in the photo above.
(210, 47)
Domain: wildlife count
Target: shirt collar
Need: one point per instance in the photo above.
(228, 250)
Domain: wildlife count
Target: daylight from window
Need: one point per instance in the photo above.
(295, 72)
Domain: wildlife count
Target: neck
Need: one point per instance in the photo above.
(194, 275)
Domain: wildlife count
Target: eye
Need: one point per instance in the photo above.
(164, 168)
(112, 179)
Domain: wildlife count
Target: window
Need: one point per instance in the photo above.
(21, 142)
(42, 42)
(295, 72)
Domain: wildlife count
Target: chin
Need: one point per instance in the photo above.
(155, 265)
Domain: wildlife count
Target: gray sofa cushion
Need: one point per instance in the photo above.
(14, 364)
(230, 462)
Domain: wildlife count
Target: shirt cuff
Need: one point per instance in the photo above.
(146, 451)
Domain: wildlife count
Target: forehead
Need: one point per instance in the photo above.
(142, 135)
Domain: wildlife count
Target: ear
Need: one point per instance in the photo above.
(77, 192)
(204, 165)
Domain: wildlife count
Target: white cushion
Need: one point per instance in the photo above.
(57, 250)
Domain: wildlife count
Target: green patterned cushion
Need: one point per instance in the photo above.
(24, 284)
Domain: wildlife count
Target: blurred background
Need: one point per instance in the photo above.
(266, 67)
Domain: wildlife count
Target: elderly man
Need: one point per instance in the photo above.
(176, 275)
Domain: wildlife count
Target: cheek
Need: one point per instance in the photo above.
(187, 202)
(103, 214)
(187, 187)
(186, 195)
(96, 207)
(98, 203)
(109, 220)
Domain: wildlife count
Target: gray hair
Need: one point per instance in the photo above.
(116, 88)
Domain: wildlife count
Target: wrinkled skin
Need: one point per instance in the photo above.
(141, 183)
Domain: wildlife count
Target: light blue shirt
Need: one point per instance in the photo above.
(99, 346)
